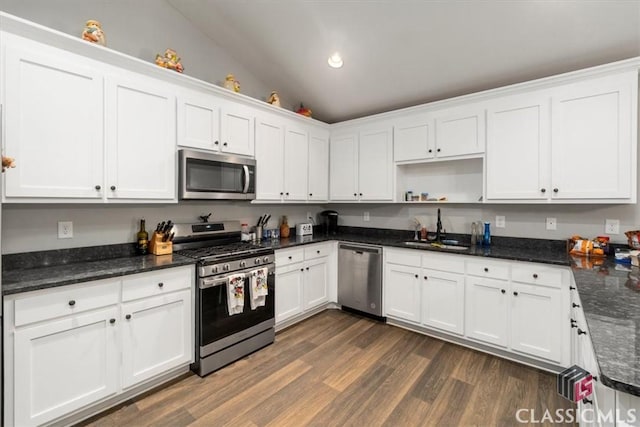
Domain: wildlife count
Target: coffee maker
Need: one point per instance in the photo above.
(329, 222)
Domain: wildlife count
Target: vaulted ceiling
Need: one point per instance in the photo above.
(399, 53)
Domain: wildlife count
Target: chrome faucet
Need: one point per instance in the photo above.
(439, 228)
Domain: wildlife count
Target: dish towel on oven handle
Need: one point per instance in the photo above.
(258, 287)
(235, 294)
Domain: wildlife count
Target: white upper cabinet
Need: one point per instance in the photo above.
(237, 129)
(141, 142)
(296, 153)
(413, 138)
(572, 143)
(518, 133)
(198, 120)
(361, 165)
(269, 158)
(343, 167)
(594, 127)
(53, 108)
(318, 164)
(460, 131)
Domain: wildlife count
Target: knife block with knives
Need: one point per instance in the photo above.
(159, 245)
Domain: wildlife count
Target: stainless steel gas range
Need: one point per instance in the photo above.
(235, 292)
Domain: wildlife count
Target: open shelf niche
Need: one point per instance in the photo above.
(460, 181)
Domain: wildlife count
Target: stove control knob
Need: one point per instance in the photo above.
(265, 259)
(214, 269)
(257, 261)
(243, 264)
(225, 267)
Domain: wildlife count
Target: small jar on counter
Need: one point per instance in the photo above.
(244, 236)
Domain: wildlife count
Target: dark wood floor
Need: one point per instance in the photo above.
(338, 369)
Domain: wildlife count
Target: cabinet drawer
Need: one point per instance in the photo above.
(449, 263)
(156, 283)
(289, 256)
(491, 269)
(538, 275)
(317, 251)
(66, 300)
(403, 257)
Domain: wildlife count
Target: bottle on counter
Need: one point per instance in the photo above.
(284, 228)
(474, 233)
(142, 239)
(245, 235)
(486, 238)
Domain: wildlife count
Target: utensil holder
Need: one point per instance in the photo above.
(158, 247)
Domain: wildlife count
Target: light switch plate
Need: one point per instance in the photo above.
(552, 224)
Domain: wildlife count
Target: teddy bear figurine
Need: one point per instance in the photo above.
(170, 60)
(93, 32)
(8, 162)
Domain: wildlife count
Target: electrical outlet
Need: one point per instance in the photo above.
(309, 216)
(65, 229)
(366, 217)
(551, 224)
(612, 226)
(500, 221)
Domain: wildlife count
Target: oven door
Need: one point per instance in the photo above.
(218, 329)
(215, 176)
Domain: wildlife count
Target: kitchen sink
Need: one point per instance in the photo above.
(435, 245)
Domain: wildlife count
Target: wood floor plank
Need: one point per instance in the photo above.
(340, 369)
(249, 397)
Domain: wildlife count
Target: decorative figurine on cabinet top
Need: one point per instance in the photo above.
(93, 33)
(231, 83)
(304, 111)
(274, 99)
(7, 162)
(170, 60)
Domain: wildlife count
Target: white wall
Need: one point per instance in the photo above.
(28, 228)
(143, 28)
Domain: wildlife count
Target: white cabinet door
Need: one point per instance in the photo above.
(269, 159)
(537, 323)
(53, 107)
(343, 167)
(402, 292)
(413, 139)
(289, 291)
(316, 282)
(375, 165)
(594, 123)
(296, 153)
(237, 129)
(64, 365)
(460, 131)
(318, 165)
(156, 336)
(198, 120)
(486, 313)
(443, 300)
(517, 165)
(141, 139)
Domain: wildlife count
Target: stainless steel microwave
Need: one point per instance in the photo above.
(209, 176)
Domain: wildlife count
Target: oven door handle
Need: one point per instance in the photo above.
(210, 283)
(245, 169)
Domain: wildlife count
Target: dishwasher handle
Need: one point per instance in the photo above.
(361, 249)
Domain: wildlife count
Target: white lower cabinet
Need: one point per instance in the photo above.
(156, 336)
(443, 300)
(487, 305)
(304, 277)
(70, 347)
(63, 365)
(402, 292)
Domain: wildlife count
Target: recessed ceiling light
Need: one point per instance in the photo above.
(335, 61)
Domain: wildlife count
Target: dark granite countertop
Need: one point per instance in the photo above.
(610, 296)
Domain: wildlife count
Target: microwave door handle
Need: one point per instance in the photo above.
(245, 168)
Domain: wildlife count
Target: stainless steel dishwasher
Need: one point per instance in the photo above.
(360, 278)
